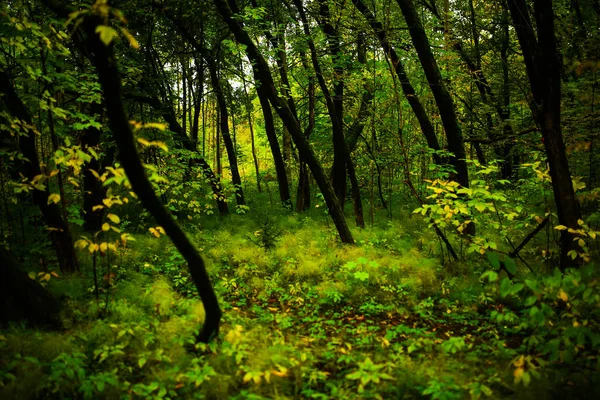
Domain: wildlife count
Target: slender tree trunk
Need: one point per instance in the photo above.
(336, 122)
(338, 170)
(407, 88)
(224, 127)
(440, 92)
(59, 234)
(282, 179)
(93, 190)
(303, 192)
(543, 63)
(288, 118)
(251, 127)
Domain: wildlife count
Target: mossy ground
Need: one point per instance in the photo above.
(310, 318)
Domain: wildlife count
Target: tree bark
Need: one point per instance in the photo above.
(59, 234)
(440, 92)
(224, 127)
(289, 119)
(543, 64)
(407, 88)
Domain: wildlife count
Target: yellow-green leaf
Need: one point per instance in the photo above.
(81, 244)
(134, 43)
(107, 34)
(105, 227)
(114, 218)
(54, 198)
(560, 227)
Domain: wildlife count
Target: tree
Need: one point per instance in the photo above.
(52, 217)
(440, 92)
(105, 62)
(543, 64)
(289, 119)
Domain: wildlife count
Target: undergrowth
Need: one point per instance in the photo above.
(305, 317)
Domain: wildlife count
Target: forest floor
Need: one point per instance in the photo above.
(308, 318)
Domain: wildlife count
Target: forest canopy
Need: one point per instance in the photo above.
(324, 199)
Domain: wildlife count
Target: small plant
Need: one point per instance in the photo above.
(369, 373)
(267, 233)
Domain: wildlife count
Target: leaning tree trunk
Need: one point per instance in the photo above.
(51, 214)
(224, 124)
(282, 179)
(407, 88)
(543, 63)
(336, 122)
(24, 299)
(440, 91)
(303, 192)
(105, 62)
(338, 169)
(291, 122)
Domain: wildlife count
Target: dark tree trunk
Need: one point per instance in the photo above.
(282, 179)
(440, 92)
(338, 170)
(198, 105)
(543, 63)
(289, 119)
(93, 190)
(357, 127)
(407, 88)
(106, 65)
(337, 124)
(224, 127)
(22, 298)
(59, 234)
(303, 190)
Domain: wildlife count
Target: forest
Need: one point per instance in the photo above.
(299, 199)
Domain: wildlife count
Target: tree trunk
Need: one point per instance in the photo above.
(22, 298)
(306, 151)
(440, 92)
(59, 234)
(303, 191)
(407, 88)
(337, 125)
(93, 190)
(543, 63)
(338, 170)
(250, 126)
(106, 65)
(282, 179)
(224, 126)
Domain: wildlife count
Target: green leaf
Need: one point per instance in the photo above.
(505, 287)
(107, 34)
(517, 287)
(492, 276)
(531, 300)
(510, 265)
(494, 259)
